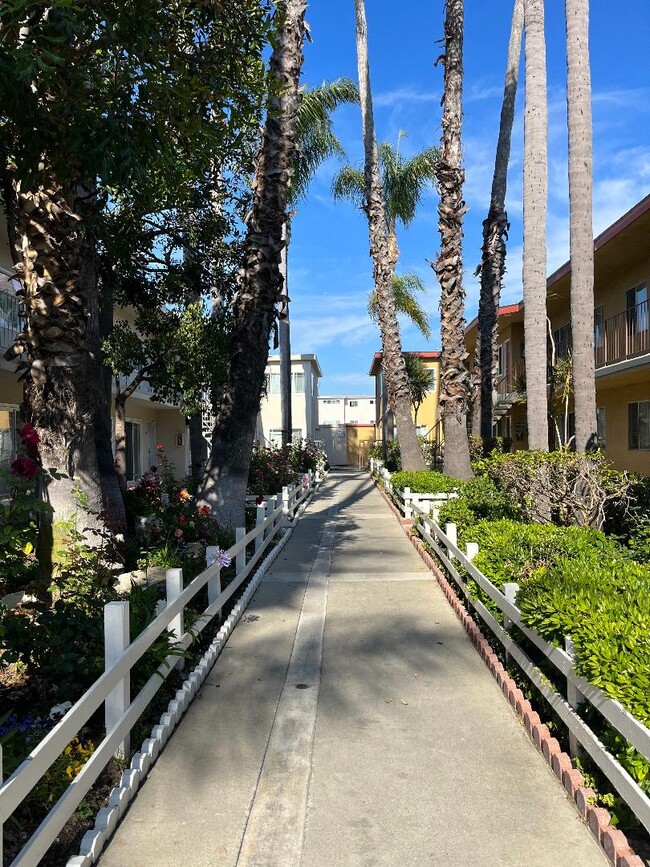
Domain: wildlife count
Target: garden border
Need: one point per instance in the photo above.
(613, 842)
(109, 817)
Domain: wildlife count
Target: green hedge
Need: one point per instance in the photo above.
(425, 482)
(479, 498)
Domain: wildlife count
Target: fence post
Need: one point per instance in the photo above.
(510, 592)
(116, 640)
(174, 582)
(451, 532)
(240, 560)
(408, 511)
(260, 515)
(278, 504)
(573, 695)
(310, 473)
(285, 506)
(269, 506)
(214, 583)
(435, 513)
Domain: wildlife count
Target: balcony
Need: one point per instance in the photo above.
(623, 337)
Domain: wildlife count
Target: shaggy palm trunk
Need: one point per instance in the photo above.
(284, 339)
(59, 399)
(581, 231)
(535, 206)
(449, 265)
(495, 233)
(393, 364)
(224, 484)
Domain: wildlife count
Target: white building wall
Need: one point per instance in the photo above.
(343, 409)
(305, 372)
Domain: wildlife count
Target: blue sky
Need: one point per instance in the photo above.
(330, 272)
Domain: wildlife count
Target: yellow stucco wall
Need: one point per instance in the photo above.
(360, 437)
(615, 401)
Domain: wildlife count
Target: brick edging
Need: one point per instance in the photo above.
(613, 842)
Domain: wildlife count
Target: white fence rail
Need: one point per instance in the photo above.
(578, 691)
(113, 688)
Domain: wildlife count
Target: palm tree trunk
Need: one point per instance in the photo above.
(449, 265)
(495, 233)
(224, 484)
(535, 207)
(393, 365)
(284, 339)
(581, 228)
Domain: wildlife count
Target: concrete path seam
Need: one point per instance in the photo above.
(274, 832)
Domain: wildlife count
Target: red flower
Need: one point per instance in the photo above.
(24, 467)
(182, 519)
(29, 437)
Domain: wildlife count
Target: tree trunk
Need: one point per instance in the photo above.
(58, 392)
(535, 205)
(224, 484)
(449, 265)
(581, 226)
(393, 364)
(198, 447)
(120, 438)
(284, 335)
(495, 233)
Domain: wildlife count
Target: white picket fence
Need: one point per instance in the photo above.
(405, 498)
(578, 690)
(113, 688)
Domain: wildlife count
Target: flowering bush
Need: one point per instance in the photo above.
(19, 517)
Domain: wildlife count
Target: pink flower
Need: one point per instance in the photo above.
(182, 519)
(24, 467)
(178, 533)
(29, 437)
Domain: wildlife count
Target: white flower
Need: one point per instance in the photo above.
(60, 710)
(119, 537)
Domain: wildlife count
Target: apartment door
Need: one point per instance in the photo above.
(335, 442)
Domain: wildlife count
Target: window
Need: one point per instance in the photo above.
(638, 435)
(637, 308)
(432, 386)
(9, 421)
(600, 426)
(563, 340)
(354, 403)
(371, 402)
(329, 402)
(297, 383)
(133, 450)
(273, 383)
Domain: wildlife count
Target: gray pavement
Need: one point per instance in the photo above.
(350, 722)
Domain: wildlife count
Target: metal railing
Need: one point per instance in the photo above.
(113, 688)
(626, 335)
(9, 318)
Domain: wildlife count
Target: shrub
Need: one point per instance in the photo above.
(479, 498)
(562, 487)
(270, 470)
(425, 482)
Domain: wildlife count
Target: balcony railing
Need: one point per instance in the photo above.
(626, 335)
(9, 318)
(509, 381)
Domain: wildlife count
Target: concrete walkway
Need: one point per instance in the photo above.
(350, 723)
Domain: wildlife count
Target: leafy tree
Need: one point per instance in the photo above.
(422, 380)
(375, 210)
(449, 265)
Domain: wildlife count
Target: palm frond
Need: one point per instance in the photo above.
(405, 286)
(350, 184)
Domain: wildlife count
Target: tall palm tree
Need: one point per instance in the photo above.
(403, 184)
(449, 265)
(316, 142)
(375, 208)
(580, 213)
(535, 207)
(495, 232)
(223, 486)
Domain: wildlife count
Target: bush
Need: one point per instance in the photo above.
(270, 470)
(425, 482)
(564, 488)
(479, 499)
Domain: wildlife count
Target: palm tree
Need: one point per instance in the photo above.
(223, 486)
(405, 288)
(495, 231)
(449, 265)
(316, 142)
(375, 208)
(422, 380)
(535, 206)
(580, 213)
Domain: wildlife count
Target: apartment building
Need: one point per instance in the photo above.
(305, 373)
(427, 420)
(340, 409)
(621, 344)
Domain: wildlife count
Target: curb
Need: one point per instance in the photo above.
(613, 842)
(109, 817)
